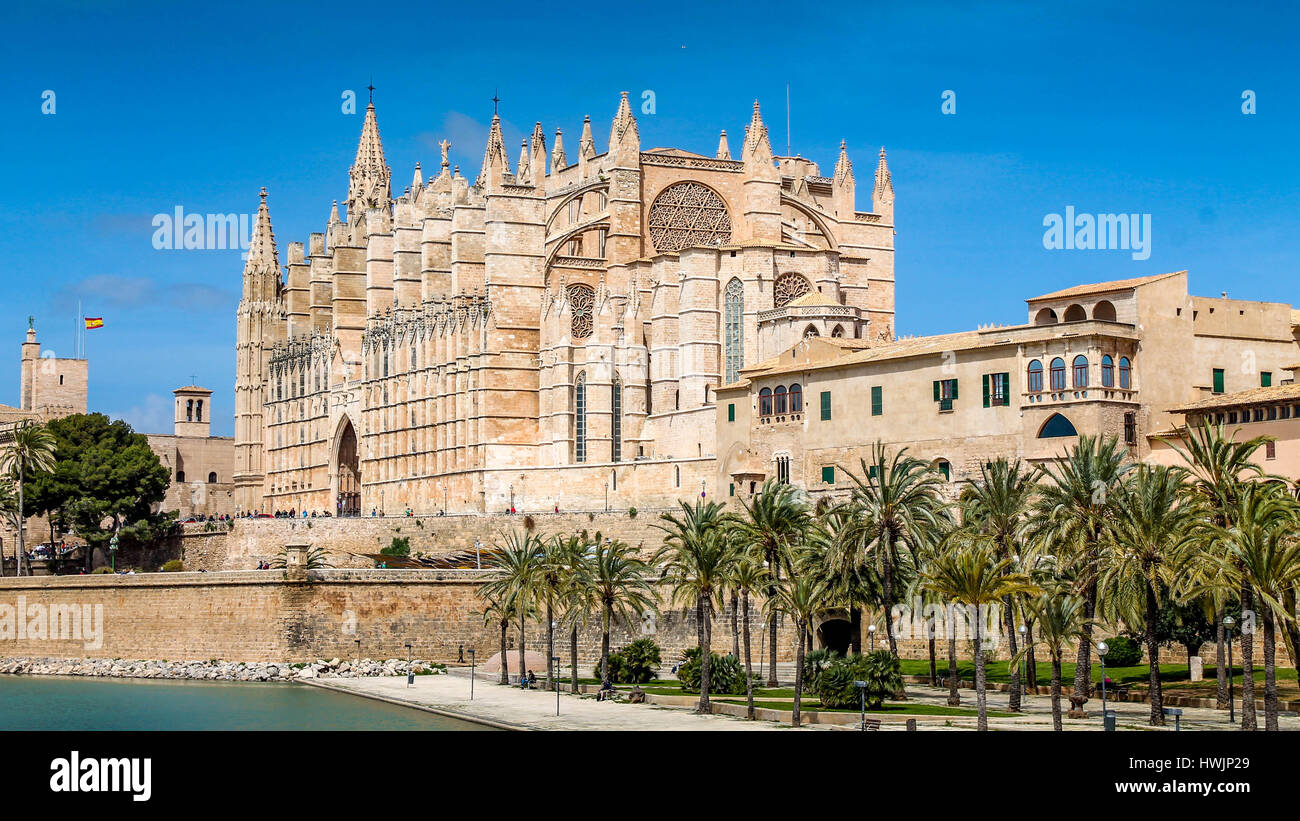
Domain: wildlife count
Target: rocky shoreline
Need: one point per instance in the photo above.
(216, 670)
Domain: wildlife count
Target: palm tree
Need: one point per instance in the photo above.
(1060, 619)
(896, 503)
(29, 450)
(578, 596)
(775, 517)
(1219, 466)
(620, 585)
(968, 571)
(1140, 552)
(748, 574)
(1260, 553)
(515, 564)
(697, 558)
(800, 597)
(848, 558)
(996, 506)
(499, 611)
(550, 578)
(1067, 518)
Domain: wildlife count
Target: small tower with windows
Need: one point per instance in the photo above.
(193, 410)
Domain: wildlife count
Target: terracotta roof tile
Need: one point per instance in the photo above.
(1103, 287)
(1254, 396)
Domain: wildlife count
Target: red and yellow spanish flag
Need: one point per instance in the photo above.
(94, 322)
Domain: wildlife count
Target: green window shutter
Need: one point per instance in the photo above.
(828, 475)
(826, 405)
(1006, 388)
(954, 388)
(1266, 379)
(733, 489)
(731, 412)
(877, 401)
(1218, 380)
(872, 472)
(936, 390)
(986, 390)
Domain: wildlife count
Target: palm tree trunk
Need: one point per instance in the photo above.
(771, 626)
(749, 672)
(706, 657)
(1056, 691)
(981, 700)
(1270, 671)
(1031, 663)
(1009, 618)
(795, 716)
(523, 669)
(552, 672)
(1083, 662)
(887, 557)
(1248, 720)
(934, 663)
(1155, 696)
(953, 698)
(18, 561)
(573, 658)
(735, 624)
(505, 656)
(1220, 672)
(605, 617)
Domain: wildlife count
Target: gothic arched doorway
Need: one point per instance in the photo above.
(347, 461)
(836, 634)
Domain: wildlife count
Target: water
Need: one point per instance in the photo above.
(74, 703)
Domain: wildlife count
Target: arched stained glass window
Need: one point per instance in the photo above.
(580, 418)
(735, 329)
(616, 406)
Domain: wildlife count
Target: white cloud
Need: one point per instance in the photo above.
(153, 415)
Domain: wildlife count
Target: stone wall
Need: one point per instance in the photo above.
(253, 540)
(264, 616)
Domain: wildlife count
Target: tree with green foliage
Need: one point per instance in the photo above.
(514, 565)
(105, 480)
(1061, 622)
(1184, 625)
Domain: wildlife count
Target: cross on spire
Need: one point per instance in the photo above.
(194, 380)
(31, 323)
(371, 89)
(495, 100)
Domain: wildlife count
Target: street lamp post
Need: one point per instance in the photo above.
(358, 641)
(512, 497)
(871, 631)
(1228, 623)
(112, 552)
(607, 497)
(471, 673)
(478, 554)
(410, 673)
(555, 661)
(1102, 649)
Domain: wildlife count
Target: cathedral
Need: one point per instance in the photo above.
(546, 335)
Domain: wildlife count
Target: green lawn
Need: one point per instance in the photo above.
(894, 708)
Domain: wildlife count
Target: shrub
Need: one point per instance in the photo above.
(1123, 652)
(529, 522)
(881, 670)
(104, 569)
(815, 663)
(173, 566)
(634, 664)
(631, 513)
(401, 546)
(726, 673)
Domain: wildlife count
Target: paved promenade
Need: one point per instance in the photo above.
(512, 708)
(535, 709)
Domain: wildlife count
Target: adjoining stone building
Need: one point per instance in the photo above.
(1123, 359)
(547, 335)
(201, 465)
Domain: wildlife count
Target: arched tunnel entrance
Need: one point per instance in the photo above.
(835, 634)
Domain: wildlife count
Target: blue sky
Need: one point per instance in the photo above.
(1107, 107)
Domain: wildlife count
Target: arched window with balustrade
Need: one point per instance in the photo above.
(779, 395)
(1034, 376)
(1107, 372)
(1125, 373)
(765, 402)
(1081, 371)
(1057, 374)
(796, 398)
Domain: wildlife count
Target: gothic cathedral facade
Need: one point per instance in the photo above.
(550, 336)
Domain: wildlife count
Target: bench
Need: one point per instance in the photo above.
(871, 724)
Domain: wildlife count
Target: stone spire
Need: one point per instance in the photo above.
(537, 159)
(417, 182)
(522, 170)
(558, 161)
(370, 179)
(586, 144)
(262, 268)
(757, 144)
(495, 164)
(884, 193)
(624, 138)
(724, 152)
(843, 184)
